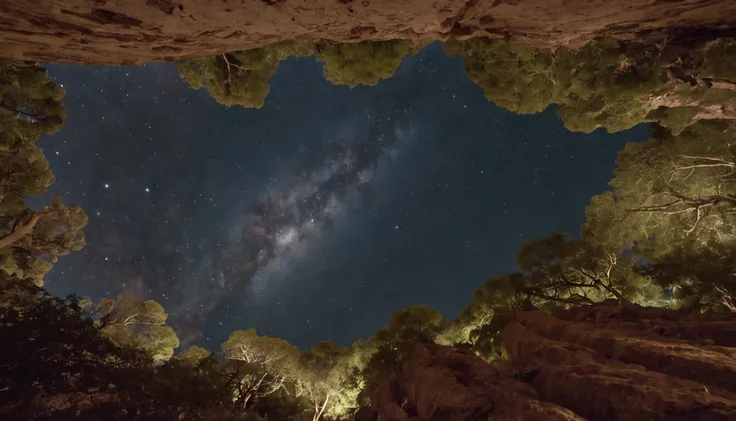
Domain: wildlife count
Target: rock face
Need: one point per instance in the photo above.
(137, 31)
(593, 363)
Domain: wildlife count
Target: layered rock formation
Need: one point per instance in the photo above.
(604, 362)
(136, 31)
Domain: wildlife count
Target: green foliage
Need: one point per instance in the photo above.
(273, 353)
(322, 376)
(674, 119)
(700, 281)
(606, 84)
(259, 365)
(389, 345)
(361, 63)
(555, 271)
(130, 322)
(56, 234)
(52, 351)
(669, 193)
(409, 325)
(181, 388)
(30, 105)
(518, 78)
(280, 406)
(566, 271)
(194, 355)
(240, 77)
(58, 365)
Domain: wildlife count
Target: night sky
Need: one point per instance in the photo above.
(318, 215)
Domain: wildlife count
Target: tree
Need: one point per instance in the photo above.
(669, 193)
(194, 355)
(183, 390)
(30, 104)
(240, 77)
(321, 375)
(391, 344)
(260, 365)
(554, 271)
(55, 364)
(409, 325)
(281, 405)
(566, 271)
(58, 364)
(606, 84)
(331, 378)
(364, 62)
(520, 79)
(705, 280)
(31, 241)
(36, 239)
(135, 323)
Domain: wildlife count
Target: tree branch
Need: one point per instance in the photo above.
(13, 109)
(229, 64)
(24, 229)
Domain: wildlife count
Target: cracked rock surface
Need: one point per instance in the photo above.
(605, 362)
(133, 32)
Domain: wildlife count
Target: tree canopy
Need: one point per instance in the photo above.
(669, 192)
(556, 271)
(699, 281)
(30, 240)
(261, 364)
(131, 322)
(606, 84)
(361, 63)
(241, 77)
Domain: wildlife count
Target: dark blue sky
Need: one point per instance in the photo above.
(170, 179)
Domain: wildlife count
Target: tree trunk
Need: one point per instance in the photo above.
(613, 291)
(319, 410)
(246, 398)
(24, 230)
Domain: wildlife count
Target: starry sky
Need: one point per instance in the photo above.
(318, 215)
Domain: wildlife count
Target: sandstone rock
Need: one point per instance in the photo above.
(450, 384)
(602, 366)
(133, 32)
(605, 362)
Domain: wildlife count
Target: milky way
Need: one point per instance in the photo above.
(286, 218)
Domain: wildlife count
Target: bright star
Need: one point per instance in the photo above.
(107, 186)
